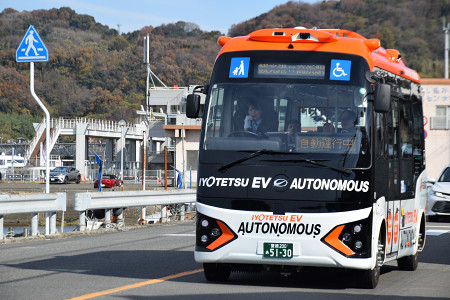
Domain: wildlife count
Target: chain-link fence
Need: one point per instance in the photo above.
(152, 177)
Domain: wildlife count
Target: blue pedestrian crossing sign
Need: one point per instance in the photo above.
(31, 49)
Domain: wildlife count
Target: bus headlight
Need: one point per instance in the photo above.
(347, 237)
(212, 234)
(351, 240)
(215, 232)
(205, 223)
(204, 239)
(357, 229)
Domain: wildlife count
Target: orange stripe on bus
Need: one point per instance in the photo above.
(226, 236)
(333, 240)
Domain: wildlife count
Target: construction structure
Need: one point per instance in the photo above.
(164, 124)
(169, 127)
(117, 137)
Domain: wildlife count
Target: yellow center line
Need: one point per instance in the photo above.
(136, 285)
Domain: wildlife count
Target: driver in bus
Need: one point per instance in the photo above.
(254, 121)
(348, 121)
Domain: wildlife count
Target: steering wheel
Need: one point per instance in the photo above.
(243, 133)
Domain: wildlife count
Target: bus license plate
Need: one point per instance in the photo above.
(278, 250)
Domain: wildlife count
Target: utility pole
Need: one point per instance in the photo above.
(446, 31)
(147, 64)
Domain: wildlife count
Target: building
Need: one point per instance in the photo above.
(436, 111)
(169, 127)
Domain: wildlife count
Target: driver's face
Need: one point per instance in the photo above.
(254, 112)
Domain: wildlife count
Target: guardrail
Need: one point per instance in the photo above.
(110, 200)
(34, 204)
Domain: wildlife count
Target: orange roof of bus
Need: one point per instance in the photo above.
(325, 40)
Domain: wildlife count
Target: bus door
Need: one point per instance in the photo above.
(393, 226)
(394, 184)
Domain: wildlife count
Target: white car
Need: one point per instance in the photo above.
(439, 196)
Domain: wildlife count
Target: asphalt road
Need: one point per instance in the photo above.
(157, 262)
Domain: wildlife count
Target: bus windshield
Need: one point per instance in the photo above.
(309, 119)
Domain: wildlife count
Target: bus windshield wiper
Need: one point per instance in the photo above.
(313, 162)
(252, 155)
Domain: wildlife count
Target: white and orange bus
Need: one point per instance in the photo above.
(311, 154)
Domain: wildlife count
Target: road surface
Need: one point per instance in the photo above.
(157, 261)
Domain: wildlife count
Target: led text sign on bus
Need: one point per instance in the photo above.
(325, 143)
(301, 71)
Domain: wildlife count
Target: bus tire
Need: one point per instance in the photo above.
(370, 278)
(409, 263)
(216, 272)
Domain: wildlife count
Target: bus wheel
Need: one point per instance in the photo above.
(370, 278)
(408, 263)
(216, 272)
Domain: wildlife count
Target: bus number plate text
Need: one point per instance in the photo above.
(278, 250)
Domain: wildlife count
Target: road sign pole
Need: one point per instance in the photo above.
(47, 130)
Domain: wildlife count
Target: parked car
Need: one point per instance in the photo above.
(64, 175)
(109, 181)
(439, 196)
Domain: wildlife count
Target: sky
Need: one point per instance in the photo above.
(134, 14)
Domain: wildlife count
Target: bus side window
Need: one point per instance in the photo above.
(405, 148)
(405, 130)
(418, 145)
(393, 183)
(380, 136)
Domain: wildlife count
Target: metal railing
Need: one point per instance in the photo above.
(110, 200)
(94, 124)
(131, 175)
(33, 143)
(34, 204)
(51, 203)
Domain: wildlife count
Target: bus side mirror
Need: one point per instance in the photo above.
(192, 106)
(382, 101)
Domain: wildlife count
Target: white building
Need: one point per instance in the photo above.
(436, 110)
(170, 127)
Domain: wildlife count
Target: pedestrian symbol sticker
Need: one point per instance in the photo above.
(340, 69)
(239, 67)
(31, 48)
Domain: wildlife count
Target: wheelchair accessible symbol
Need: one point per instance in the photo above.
(340, 69)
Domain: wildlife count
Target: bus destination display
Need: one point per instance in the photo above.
(301, 71)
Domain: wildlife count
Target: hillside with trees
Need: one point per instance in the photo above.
(95, 72)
